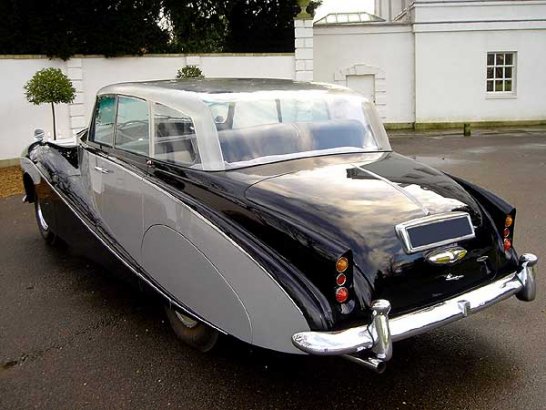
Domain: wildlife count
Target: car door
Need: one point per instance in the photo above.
(112, 165)
(100, 142)
(121, 172)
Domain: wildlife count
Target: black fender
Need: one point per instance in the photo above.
(495, 206)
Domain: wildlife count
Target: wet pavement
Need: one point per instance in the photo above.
(74, 335)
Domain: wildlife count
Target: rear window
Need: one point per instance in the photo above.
(253, 128)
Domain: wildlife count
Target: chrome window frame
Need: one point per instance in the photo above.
(402, 230)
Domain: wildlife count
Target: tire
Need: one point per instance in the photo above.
(194, 333)
(46, 232)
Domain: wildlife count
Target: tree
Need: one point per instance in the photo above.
(50, 85)
(233, 25)
(197, 26)
(62, 28)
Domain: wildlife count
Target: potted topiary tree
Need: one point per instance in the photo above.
(50, 85)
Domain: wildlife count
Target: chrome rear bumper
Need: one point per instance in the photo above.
(371, 345)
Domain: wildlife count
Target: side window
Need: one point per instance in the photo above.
(103, 124)
(132, 125)
(175, 139)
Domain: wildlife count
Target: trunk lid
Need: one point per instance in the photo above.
(359, 204)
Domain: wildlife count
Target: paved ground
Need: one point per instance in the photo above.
(73, 335)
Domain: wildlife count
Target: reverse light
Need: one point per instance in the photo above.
(342, 264)
(506, 232)
(342, 294)
(507, 244)
(341, 279)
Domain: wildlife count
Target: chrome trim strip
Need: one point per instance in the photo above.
(375, 339)
(402, 230)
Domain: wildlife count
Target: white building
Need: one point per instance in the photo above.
(447, 62)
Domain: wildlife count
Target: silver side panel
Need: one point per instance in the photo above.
(121, 205)
(178, 266)
(207, 255)
(194, 261)
(91, 180)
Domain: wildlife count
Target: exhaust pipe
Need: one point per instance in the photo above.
(371, 363)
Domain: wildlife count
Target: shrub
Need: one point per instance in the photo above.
(50, 85)
(190, 71)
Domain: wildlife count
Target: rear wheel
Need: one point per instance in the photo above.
(197, 334)
(46, 232)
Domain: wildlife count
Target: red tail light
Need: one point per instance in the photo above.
(341, 279)
(507, 244)
(342, 294)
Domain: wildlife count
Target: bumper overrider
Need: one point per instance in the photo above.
(371, 345)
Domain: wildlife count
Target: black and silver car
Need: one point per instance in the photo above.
(276, 212)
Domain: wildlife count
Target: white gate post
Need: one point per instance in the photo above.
(303, 35)
(76, 109)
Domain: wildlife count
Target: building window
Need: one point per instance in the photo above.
(501, 69)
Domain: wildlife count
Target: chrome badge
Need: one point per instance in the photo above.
(446, 256)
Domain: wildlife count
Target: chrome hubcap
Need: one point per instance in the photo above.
(186, 321)
(41, 218)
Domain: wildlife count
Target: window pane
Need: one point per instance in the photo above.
(490, 59)
(132, 133)
(293, 110)
(499, 59)
(490, 72)
(175, 139)
(253, 113)
(490, 86)
(498, 85)
(508, 85)
(509, 58)
(508, 72)
(498, 72)
(104, 120)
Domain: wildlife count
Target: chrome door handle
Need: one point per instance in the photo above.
(102, 170)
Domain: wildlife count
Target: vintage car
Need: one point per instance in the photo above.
(276, 212)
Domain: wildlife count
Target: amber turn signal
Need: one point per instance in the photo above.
(342, 294)
(508, 221)
(342, 264)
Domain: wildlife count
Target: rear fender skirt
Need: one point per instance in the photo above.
(310, 300)
(304, 294)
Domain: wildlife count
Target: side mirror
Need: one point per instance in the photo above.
(39, 134)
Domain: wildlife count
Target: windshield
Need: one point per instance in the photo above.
(268, 126)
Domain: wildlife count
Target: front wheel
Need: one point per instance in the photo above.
(46, 232)
(197, 334)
